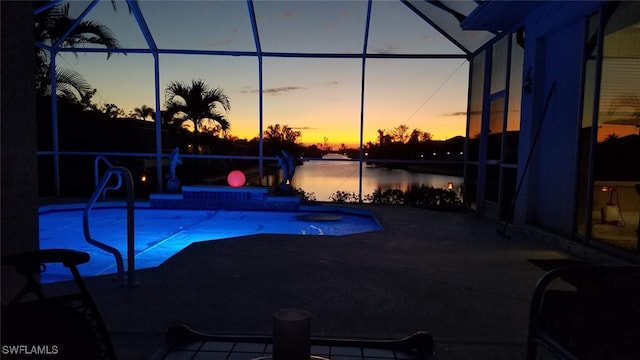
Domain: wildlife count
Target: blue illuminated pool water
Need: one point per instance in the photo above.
(161, 233)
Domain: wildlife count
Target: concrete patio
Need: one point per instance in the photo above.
(446, 273)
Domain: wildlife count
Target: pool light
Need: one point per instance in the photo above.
(236, 178)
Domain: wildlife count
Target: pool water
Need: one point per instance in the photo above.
(161, 233)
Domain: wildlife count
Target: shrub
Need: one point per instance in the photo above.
(389, 196)
(305, 197)
(433, 198)
(421, 196)
(344, 197)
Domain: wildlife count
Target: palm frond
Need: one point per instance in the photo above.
(53, 23)
(224, 123)
(197, 101)
(74, 79)
(217, 95)
(90, 33)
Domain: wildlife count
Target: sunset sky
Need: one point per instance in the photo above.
(319, 97)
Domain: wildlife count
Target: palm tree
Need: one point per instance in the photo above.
(282, 133)
(198, 104)
(50, 26)
(143, 112)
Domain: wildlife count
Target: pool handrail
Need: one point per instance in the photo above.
(96, 164)
(120, 172)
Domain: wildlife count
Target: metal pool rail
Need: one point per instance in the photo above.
(122, 173)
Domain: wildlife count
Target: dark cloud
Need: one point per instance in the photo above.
(457, 113)
(275, 91)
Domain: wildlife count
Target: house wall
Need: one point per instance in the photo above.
(19, 162)
(553, 62)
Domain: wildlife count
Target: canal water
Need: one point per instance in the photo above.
(324, 178)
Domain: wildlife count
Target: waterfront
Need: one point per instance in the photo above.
(324, 178)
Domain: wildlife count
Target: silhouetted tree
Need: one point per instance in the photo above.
(313, 151)
(281, 133)
(324, 146)
(399, 133)
(50, 25)
(112, 110)
(418, 135)
(611, 137)
(197, 104)
(143, 112)
(281, 137)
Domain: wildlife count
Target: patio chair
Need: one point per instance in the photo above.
(586, 312)
(64, 326)
(184, 342)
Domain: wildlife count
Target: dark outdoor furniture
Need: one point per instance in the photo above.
(70, 326)
(183, 342)
(587, 312)
(67, 326)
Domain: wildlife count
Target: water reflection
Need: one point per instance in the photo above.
(323, 178)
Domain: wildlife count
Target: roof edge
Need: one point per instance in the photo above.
(500, 15)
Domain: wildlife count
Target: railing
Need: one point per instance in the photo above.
(590, 316)
(122, 173)
(96, 170)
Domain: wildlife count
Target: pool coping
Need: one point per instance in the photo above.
(43, 209)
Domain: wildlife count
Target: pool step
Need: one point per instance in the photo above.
(224, 197)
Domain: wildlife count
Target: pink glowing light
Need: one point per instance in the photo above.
(236, 178)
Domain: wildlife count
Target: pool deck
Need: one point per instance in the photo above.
(446, 273)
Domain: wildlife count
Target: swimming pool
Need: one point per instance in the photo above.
(161, 233)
